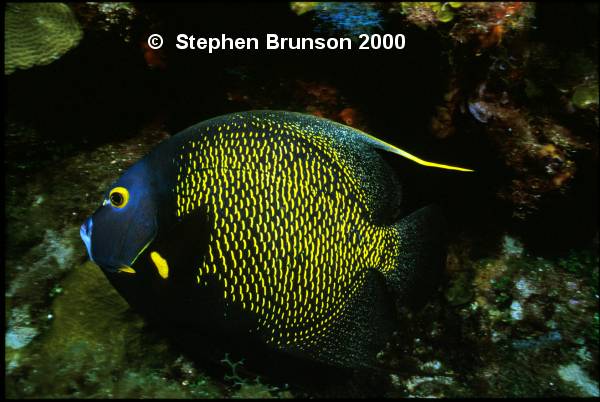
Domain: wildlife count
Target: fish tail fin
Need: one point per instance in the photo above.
(419, 239)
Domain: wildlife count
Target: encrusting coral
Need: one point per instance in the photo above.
(37, 34)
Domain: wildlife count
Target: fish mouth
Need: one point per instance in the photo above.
(107, 259)
(86, 235)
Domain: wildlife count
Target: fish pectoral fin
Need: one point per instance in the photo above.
(161, 264)
(377, 143)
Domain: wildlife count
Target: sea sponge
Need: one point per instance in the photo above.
(37, 34)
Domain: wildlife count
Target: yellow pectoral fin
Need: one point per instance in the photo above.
(161, 264)
(127, 269)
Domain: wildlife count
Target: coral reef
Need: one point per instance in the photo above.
(105, 17)
(536, 150)
(539, 143)
(525, 325)
(342, 18)
(36, 34)
(242, 387)
(301, 7)
(481, 23)
(516, 313)
(426, 14)
(92, 348)
(497, 72)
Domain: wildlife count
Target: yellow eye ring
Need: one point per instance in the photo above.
(118, 197)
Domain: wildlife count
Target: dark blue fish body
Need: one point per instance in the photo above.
(274, 227)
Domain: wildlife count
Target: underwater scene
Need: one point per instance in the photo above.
(301, 199)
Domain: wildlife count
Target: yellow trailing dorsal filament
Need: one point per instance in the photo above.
(427, 163)
(161, 264)
(127, 269)
(391, 148)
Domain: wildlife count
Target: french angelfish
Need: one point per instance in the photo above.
(273, 226)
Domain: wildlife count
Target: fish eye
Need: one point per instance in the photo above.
(119, 196)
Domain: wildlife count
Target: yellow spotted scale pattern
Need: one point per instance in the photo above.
(291, 238)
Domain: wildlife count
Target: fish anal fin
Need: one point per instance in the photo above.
(361, 332)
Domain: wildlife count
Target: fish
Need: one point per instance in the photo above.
(272, 227)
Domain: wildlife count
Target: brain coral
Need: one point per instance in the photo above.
(37, 34)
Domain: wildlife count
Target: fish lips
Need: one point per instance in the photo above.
(105, 257)
(85, 231)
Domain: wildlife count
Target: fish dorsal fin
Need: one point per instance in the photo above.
(377, 143)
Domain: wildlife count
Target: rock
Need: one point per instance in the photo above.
(573, 373)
